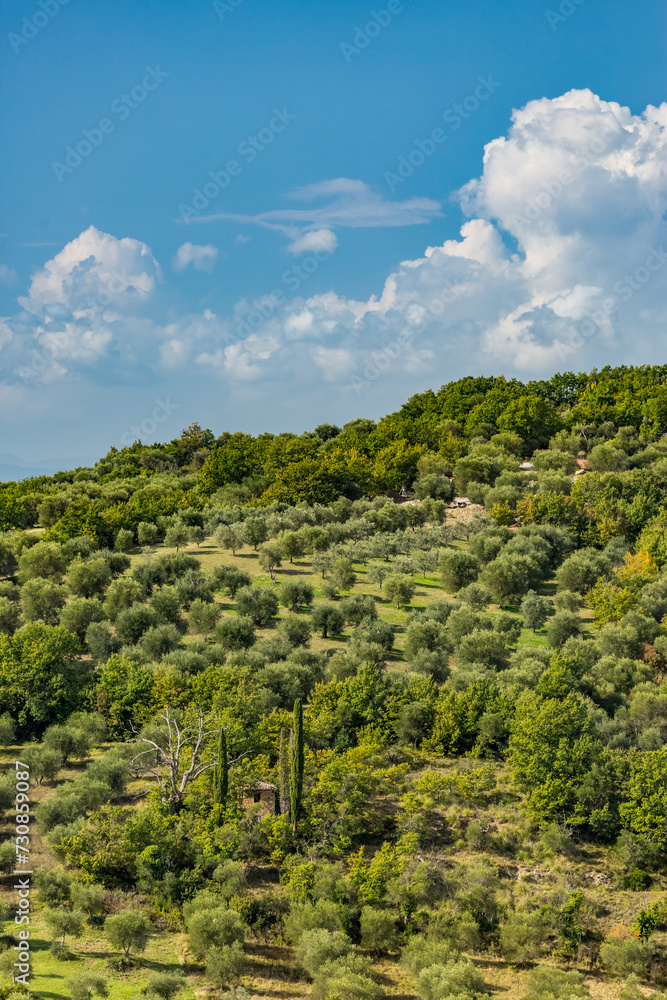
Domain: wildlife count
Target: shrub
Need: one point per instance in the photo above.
(545, 983)
(319, 946)
(521, 937)
(627, 956)
(638, 880)
(85, 987)
(423, 951)
(224, 964)
(213, 928)
(347, 978)
(165, 985)
(458, 978)
(312, 916)
(378, 930)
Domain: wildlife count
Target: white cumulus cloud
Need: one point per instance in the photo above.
(560, 263)
(202, 258)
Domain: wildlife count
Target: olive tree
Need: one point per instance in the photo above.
(399, 588)
(127, 930)
(63, 921)
(10, 615)
(42, 600)
(328, 619)
(535, 610)
(457, 569)
(213, 928)
(89, 577)
(235, 632)
(295, 593)
(258, 603)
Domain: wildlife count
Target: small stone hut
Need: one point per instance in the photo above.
(260, 793)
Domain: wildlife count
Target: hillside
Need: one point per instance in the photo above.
(363, 712)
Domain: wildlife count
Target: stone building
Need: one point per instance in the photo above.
(260, 793)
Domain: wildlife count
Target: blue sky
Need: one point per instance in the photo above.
(145, 309)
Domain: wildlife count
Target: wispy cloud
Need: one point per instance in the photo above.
(348, 203)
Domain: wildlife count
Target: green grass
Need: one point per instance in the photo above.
(50, 977)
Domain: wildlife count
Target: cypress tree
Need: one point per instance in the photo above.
(297, 761)
(283, 764)
(220, 772)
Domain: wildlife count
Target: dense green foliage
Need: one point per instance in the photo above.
(384, 705)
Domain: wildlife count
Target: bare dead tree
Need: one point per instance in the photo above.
(176, 760)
